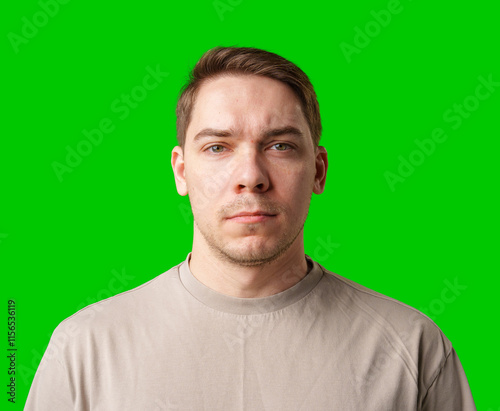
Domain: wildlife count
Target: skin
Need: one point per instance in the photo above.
(244, 169)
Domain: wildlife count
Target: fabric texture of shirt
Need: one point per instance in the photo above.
(326, 343)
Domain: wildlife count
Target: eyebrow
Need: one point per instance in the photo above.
(212, 132)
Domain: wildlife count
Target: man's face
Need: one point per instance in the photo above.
(250, 167)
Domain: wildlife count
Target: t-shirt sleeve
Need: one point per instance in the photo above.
(450, 390)
(50, 389)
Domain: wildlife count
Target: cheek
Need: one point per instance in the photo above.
(204, 189)
(296, 180)
(295, 190)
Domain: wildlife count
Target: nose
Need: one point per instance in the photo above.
(250, 171)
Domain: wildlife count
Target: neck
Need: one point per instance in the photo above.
(249, 282)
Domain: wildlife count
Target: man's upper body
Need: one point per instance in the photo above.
(247, 322)
(325, 343)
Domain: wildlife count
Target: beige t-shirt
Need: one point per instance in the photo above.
(325, 343)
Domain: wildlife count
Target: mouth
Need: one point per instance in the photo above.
(251, 217)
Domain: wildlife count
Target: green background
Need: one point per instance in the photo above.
(118, 210)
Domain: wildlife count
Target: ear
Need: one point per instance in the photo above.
(321, 167)
(179, 170)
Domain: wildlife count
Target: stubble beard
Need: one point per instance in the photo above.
(252, 256)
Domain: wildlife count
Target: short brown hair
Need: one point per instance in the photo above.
(247, 60)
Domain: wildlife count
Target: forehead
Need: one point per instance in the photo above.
(245, 102)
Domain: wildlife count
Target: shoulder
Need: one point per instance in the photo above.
(379, 307)
(417, 338)
(124, 308)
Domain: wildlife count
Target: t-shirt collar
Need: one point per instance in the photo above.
(259, 305)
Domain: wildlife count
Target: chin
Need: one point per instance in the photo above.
(251, 254)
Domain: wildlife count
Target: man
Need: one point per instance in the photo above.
(248, 321)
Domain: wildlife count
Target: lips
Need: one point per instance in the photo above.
(252, 213)
(251, 217)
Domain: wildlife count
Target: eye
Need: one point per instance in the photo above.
(216, 148)
(281, 146)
